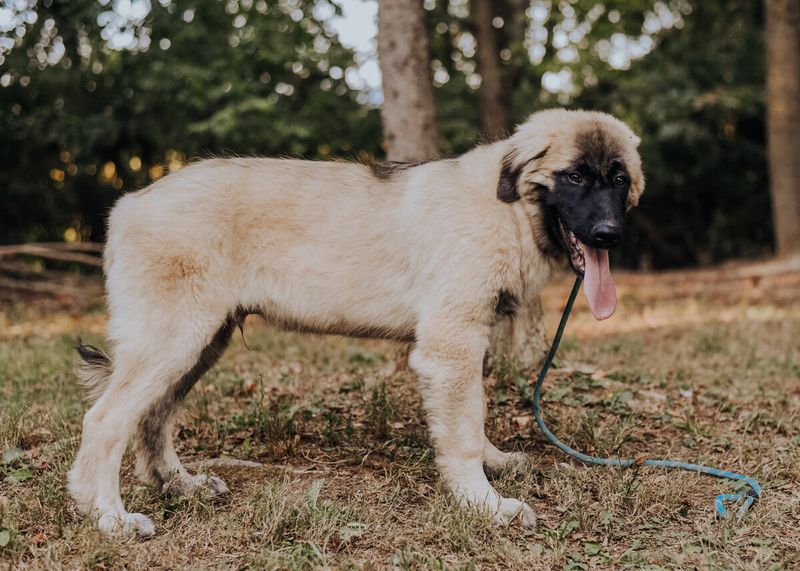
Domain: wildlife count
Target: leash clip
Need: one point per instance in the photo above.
(747, 500)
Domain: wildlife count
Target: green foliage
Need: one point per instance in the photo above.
(696, 98)
(265, 77)
(698, 102)
(217, 78)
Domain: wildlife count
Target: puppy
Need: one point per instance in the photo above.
(430, 253)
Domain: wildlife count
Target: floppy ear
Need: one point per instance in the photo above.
(636, 190)
(507, 185)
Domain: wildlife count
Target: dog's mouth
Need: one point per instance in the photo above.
(573, 248)
(593, 265)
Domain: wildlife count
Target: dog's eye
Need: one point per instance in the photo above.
(575, 178)
(620, 180)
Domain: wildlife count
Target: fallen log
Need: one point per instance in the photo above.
(76, 253)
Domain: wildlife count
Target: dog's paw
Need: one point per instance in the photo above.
(507, 462)
(510, 509)
(502, 511)
(126, 524)
(207, 486)
(214, 486)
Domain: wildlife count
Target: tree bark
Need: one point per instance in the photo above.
(782, 36)
(408, 112)
(494, 118)
(517, 24)
(521, 337)
(409, 127)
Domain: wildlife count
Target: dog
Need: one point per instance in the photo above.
(430, 253)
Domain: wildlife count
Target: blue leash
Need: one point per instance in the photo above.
(747, 499)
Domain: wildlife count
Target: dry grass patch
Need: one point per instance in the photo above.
(336, 470)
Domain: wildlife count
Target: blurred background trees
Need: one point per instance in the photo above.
(98, 97)
(93, 104)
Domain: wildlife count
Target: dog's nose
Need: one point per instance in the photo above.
(607, 233)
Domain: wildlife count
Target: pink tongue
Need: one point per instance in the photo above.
(598, 284)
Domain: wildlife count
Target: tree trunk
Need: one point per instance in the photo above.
(408, 113)
(494, 118)
(522, 336)
(783, 120)
(517, 24)
(409, 127)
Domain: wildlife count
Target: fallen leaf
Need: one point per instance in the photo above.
(522, 421)
(39, 436)
(18, 476)
(592, 547)
(313, 493)
(351, 530)
(11, 454)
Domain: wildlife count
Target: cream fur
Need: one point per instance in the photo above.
(328, 247)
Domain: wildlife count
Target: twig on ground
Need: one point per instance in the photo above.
(237, 463)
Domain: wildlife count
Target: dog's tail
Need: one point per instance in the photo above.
(93, 370)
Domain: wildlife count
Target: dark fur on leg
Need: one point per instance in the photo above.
(156, 421)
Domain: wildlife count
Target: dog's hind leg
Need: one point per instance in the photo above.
(145, 377)
(157, 463)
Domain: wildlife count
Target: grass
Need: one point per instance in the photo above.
(341, 474)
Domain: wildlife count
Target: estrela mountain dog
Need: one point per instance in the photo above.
(423, 253)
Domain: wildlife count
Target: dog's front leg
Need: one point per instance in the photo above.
(448, 359)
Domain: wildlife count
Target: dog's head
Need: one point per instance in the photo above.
(584, 171)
